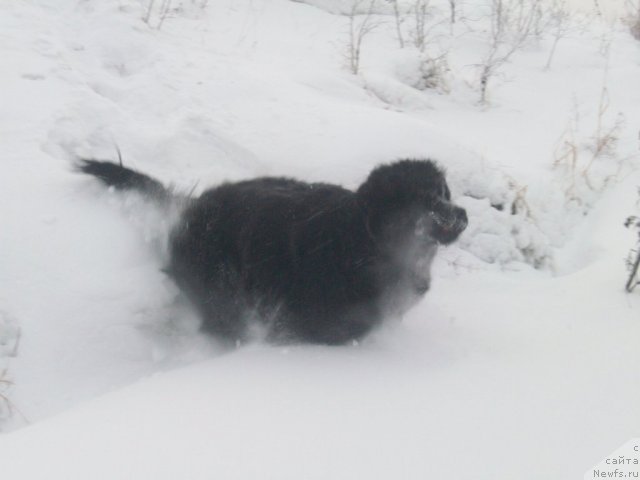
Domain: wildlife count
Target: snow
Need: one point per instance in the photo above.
(521, 362)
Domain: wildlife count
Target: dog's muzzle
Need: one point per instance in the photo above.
(449, 221)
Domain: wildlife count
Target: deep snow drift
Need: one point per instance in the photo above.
(522, 362)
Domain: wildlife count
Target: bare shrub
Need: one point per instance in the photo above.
(9, 343)
(511, 23)
(559, 25)
(157, 11)
(419, 18)
(432, 67)
(422, 27)
(399, 20)
(578, 162)
(596, 6)
(453, 12)
(434, 73)
(360, 25)
(590, 165)
(6, 406)
(633, 18)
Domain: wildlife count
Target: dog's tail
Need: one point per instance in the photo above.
(123, 178)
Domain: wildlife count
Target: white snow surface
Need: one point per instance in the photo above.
(523, 360)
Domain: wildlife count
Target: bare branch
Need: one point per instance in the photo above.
(359, 27)
(399, 20)
(511, 23)
(559, 21)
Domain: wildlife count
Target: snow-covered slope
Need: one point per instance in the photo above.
(526, 378)
(502, 372)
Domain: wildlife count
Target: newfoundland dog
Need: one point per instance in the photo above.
(309, 262)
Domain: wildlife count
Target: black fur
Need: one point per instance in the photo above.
(117, 176)
(309, 262)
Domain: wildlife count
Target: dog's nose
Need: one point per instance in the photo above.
(461, 220)
(450, 222)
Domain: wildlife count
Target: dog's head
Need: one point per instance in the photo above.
(409, 213)
(409, 200)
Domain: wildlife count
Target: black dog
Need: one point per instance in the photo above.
(308, 262)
